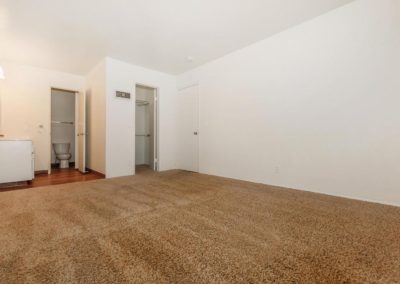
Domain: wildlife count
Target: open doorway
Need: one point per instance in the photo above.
(68, 131)
(146, 130)
(63, 130)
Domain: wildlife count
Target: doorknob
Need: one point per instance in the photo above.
(195, 133)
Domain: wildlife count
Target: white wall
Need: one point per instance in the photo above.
(63, 110)
(96, 118)
(120, 134)
(315, 107)
(26, 105)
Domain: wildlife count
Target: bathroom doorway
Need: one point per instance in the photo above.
(146, 129)
(64, 150)
(63, 121)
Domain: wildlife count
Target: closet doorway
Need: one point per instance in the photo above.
(146, 129)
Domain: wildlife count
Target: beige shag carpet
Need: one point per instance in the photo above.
(180, 227)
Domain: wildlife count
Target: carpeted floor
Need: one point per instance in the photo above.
(180, 227)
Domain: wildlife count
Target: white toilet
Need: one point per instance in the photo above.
(62, 154)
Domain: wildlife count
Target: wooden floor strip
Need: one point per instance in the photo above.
(57, 176)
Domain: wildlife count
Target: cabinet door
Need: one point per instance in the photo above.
(15, 161)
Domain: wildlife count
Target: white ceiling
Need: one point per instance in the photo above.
(73, 35)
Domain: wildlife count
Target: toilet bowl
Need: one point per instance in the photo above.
(62, 154)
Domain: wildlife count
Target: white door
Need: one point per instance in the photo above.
(153, 132)
(81, 132)
(188, 151)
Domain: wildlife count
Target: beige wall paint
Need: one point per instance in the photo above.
(26, 107)
(96, 118)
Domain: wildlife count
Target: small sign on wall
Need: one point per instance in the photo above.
(123, 95)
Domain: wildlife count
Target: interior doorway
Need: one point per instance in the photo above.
(63, 121)
(146, 129)
(68, 130)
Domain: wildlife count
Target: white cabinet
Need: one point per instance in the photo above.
(16, 160)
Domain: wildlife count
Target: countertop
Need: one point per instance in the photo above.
(14, 139)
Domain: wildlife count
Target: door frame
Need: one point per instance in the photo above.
(156, 123)
(76, 94)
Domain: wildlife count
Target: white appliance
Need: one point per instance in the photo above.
(16, 160)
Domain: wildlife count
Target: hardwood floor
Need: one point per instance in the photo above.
(58, 176)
